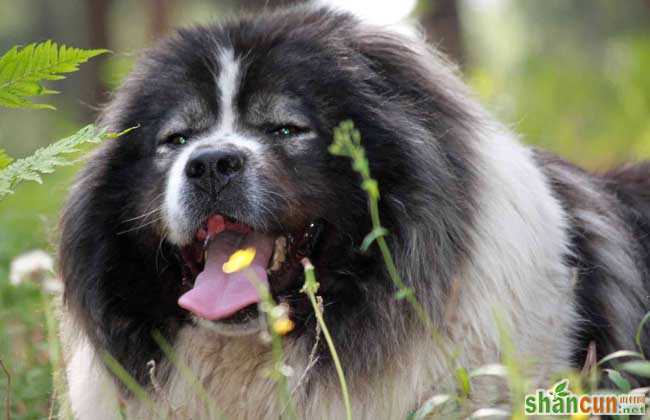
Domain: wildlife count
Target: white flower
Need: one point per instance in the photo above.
(34, 266)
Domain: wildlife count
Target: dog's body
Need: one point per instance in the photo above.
(492, 236)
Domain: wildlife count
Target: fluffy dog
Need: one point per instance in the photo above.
(231, 149)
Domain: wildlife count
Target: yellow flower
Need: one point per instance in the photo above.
(283, 326)
(239, 260)
(579, 416)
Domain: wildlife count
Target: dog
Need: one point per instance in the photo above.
(230, 150)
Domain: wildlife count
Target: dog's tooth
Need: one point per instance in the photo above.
(279, 253)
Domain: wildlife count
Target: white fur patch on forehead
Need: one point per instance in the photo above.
(228, 85)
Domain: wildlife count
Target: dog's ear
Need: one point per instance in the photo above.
(115, 289)
(83, 246)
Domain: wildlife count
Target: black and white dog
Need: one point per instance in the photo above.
(233, 127)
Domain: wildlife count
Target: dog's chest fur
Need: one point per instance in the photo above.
(234, 383)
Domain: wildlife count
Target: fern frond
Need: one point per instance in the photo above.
(45, 159)
(22, 70)
(5, 159)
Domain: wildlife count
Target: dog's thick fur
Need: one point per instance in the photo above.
(482, 227)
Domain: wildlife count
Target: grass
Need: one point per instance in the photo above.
(279, 372)
(310, 288)
(28, 220)
(347, 143)
(188, 375)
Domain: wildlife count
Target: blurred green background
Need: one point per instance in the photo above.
(572, 76)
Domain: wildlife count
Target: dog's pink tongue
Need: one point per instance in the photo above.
(217, 295)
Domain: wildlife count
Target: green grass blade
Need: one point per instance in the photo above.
(188, 375)
(619, 354)
(6, 372)
(637, 367)
(277, 373)
(639, 331)
(618, 379)
(130, 383)
(310, 287)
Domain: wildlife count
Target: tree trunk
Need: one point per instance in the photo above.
(158, 11)
(441, 23)
(98, 37)
(260, 5)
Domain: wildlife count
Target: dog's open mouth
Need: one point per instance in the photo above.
(216, 295)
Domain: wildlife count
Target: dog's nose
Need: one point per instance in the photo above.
(211, 167)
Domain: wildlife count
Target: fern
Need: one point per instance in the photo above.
(23, 69)
(45, 159)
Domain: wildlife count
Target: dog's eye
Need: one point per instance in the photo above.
(287, 130)
(176, 139)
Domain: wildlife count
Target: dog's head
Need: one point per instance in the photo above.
(231, 151)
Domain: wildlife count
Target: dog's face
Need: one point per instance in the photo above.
(230, 151)
(242, 159)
